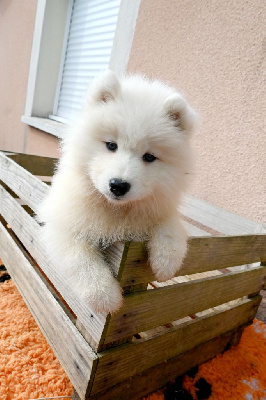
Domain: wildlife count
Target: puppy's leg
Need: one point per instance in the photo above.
(82, 265)
(94, 279)
(167, 248)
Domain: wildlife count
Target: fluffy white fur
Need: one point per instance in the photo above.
(81, 214)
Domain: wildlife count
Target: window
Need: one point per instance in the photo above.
(73, 41)
(87, 52)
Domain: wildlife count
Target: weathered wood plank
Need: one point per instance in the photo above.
(29, 233)
(158, 376)
(36, 165)
(204, 254)
(193, 230)
(218, 219)
(22, 182)
(73, 352)
(75, 396)
(145, 310)
(133, 358)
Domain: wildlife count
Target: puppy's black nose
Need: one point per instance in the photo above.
(119, 187)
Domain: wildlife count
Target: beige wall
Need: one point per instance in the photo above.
(214, 52)
(17, 18)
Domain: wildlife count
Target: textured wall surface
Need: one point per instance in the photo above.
(16, 29)
(17, 18)
(214, 52)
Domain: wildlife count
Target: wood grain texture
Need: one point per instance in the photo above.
(204, 254)
(23, 183)
(145, 310)
(133, 358)
(193, 230)
(158, 376)
(75, 396)
(73, 352)
(29, 233)
(218, 219)
(36, 165)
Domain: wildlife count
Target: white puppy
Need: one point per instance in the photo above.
(121, 176)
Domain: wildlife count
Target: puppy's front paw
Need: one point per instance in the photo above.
(166, 259)
(105, 300)
(167, 249)
(165, 267)
(104, 297)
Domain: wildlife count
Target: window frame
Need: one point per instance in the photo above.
(52, 20)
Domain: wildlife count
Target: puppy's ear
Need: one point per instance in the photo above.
(106, 88)
(177, 109)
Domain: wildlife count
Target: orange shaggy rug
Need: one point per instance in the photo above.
(29, 369)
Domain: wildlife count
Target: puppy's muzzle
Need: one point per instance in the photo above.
(118, 187)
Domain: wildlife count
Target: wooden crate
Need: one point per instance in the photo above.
(163, 329)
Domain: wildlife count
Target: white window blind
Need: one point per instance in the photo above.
(88, 49)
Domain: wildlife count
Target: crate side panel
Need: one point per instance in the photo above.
(131, 359)
(75, 355)
(29, 233)
(204, 254)
(146, 310)
(158, 376)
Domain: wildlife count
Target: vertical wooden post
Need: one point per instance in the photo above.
(121, 256)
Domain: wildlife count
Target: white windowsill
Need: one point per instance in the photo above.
(55, 128)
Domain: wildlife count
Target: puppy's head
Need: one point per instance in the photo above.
(134, 139)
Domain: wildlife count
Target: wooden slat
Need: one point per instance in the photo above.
(36, 165)
(158, 376)
(22, 182)
(218, 219)
(145, 310)
(204, 254)
(73, 352)
(193, 230)
(75, 396)
(133, 358)
(29, 232)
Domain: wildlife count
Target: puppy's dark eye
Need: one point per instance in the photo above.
(147, 157)
(111, 146)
